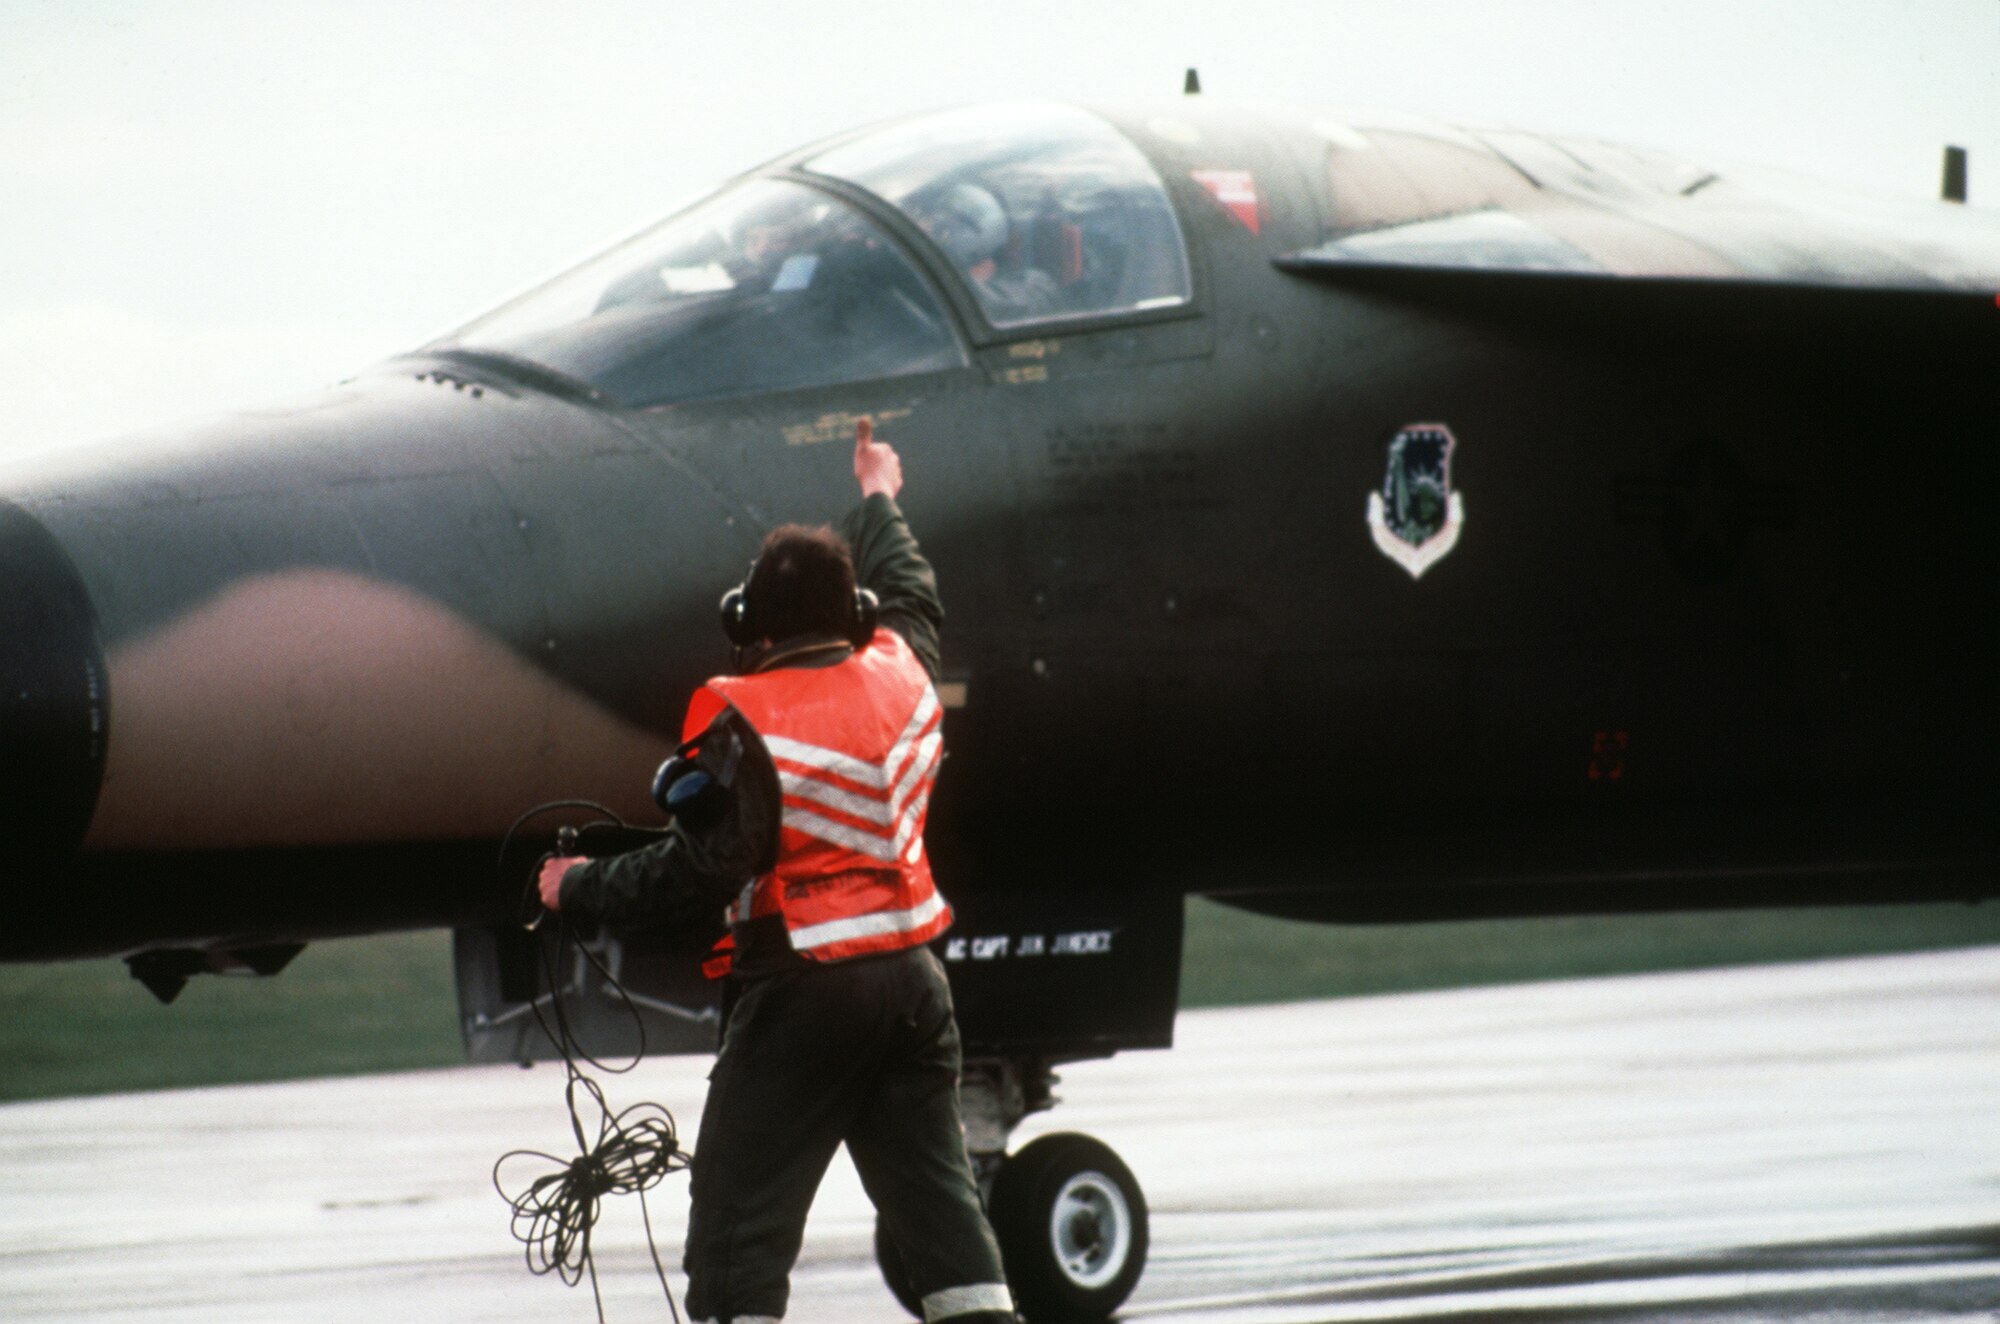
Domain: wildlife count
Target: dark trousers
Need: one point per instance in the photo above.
(865, 1052)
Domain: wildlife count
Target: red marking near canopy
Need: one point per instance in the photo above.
(1236, 190)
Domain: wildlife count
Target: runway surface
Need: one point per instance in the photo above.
(1815, 1141)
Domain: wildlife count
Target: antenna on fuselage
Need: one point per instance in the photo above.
(1954, 171)
(1192, 87)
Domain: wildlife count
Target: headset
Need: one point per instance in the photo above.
(688, 793)
(740, 623)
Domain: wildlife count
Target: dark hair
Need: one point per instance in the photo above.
(803, 583)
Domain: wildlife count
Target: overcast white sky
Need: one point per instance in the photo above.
(209, 203)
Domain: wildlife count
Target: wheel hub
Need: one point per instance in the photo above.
(1091, 1229)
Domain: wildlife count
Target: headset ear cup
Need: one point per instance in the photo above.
(689, 793)
(735, 612)
(867, 614)
(669, 773)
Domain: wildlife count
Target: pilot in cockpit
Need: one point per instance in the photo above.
(970, 225)
(773, 254)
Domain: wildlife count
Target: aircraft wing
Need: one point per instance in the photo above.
(1544, 207)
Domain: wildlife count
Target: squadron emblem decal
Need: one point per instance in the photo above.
(1416, 516)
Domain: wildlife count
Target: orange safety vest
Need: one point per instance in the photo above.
(857, 746)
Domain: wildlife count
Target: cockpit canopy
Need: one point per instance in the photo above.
(1045, 209)
(1046, 212)
(769, 286)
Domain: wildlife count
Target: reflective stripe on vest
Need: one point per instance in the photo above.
(857, 747)
(879, 818)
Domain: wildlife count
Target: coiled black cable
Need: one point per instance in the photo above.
(632, 1151)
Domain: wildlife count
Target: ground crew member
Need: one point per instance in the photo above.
(838, 1020)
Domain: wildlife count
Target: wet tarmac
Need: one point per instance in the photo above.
(1815, 1141)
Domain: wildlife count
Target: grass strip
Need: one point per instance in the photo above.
(387, 1003)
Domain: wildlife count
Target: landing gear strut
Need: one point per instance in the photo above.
(1069, 1214)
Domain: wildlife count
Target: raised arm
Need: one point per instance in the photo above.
(887, 560)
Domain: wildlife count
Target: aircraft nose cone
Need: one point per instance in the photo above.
(52, 697)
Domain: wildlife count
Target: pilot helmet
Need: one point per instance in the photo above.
(968, 222)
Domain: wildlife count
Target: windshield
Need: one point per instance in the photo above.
(1046, 210)
(771, 286)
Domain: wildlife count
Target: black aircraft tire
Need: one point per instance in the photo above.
(1072, 1227)
(889, 1259)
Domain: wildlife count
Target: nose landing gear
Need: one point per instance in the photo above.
(1072, 1226)
(1069, 1215)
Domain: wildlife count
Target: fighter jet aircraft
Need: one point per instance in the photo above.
(1352, 518)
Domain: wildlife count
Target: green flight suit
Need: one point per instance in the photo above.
(814, 1054)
